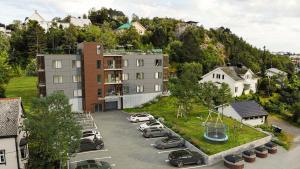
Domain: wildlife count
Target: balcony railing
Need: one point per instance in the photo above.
(113, 80)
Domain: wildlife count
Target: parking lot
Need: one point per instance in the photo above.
(126, 148)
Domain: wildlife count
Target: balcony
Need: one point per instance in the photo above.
(113, 81)
(113, 77)
(113, 63)
(113, 90)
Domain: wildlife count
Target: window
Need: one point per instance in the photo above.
(98, 49)
(2, 157)
(213, 75)
(125, 76)
(76, 78)
(125, 89)
(98, 107)
(236, 89)
(99, 93)
(98, 64)
(76, 63)
(56, 64)
(223, 76)
(125, 63)
(99, 79)
(158, 62)
(139, 62)
(57, 79)
(139, 76)
(23, 152)
(139, 88)
(218, 76)
(78, 93)
(158, 75)
(157, 88)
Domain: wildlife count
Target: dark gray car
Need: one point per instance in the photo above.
(156, 132)
(170, 142)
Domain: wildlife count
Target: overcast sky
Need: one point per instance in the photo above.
(274, 23)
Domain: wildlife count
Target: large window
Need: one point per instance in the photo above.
(158, 75)
(78, 93)
(56, 64)
(139, 88)
(57, 79)
(139, 76)
(98, 64)
(158, 62)
(76, 63)
(236, 89)
(125, 76)
(2, 157)
(125, 63)
(139, 62)
(157, 88)
(24, 152)
(125, 89)
(76, 78)
(99, 93)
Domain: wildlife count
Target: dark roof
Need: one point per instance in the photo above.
(248, 109)
(9, 114)
(235, 72)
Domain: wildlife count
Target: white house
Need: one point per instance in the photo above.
(240, 79)
(42, 22)
(80, 22)
(276, 72)
(247, 112)
(13, 145)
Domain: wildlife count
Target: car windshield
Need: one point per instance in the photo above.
(87, 135)
(150, 122)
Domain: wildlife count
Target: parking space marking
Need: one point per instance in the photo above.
(113, 165)
(153, 138)
(160, 152)
(94, 151)
(108, 157)
(197, 166)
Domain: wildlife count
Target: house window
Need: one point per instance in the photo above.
(98, 49)
(2, 157)
(77, 93)
(76, 63)
(157, 88)
(99, 79)
(158, 62)
(213, 75)
(139, 76)
(158, 75)
(236, 89)
(218, 76)
(139, 88)
(125, 89)
(99, 93)
(98, 64)
(139, 62)
(125, 76)
(56, 64)
(223, 76)
(23, 152)
(57, 79)
(125, 63)
(76, 78)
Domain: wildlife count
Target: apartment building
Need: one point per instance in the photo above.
(97, 80)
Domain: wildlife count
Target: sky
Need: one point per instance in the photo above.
(273, 23)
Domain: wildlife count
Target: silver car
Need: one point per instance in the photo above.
(169, 142)
(156, 132)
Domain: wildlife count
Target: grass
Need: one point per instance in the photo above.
(191, 128)
(24, 87)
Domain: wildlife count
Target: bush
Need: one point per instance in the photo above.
(31, 68)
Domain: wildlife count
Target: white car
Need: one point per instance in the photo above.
(140, 117)
(91, 133)
(151, 124)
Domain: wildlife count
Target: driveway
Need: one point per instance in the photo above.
(125, 148)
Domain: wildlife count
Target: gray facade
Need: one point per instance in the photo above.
(148, 69)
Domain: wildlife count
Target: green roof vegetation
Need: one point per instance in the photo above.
(192, 128)
(24, 87)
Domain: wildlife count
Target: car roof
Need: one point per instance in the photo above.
(181, 152)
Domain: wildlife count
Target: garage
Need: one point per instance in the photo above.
(112, 105)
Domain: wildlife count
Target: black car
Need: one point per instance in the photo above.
(170, 142)
(87, 144)
(183, 157)
(92, 164)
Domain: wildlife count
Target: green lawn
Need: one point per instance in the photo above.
(192, 129)
(24, 87)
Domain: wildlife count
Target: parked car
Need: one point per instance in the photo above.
(91, 133)
(170, 142)
(87, 144)
(140, 117)
(92, 164)
(183, 157)
(156, 132)
(152, 124)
